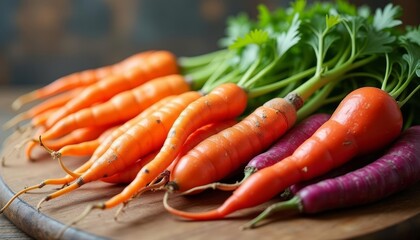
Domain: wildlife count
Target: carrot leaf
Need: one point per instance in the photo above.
(386, 18)
(288, 39)
(257, 36)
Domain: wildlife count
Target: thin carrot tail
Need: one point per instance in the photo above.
(200, 216)
(25, 190)
(15, 120)
(24, 99)
(79, 218)
(156, 185)
(228, 187)
(60, 192)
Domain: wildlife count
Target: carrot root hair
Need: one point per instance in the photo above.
(157, 184)
(56, 155)
(214, 186)
(23, 191)
(79, 218)
(15, 120)
(200, 216)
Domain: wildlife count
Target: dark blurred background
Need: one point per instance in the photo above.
(41, 40)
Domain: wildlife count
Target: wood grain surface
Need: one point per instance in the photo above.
(147, 218)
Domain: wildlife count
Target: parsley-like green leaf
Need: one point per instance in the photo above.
(386, 18)
(290, 38)
(264, 16)
(413, 35)
(332, 20)
(412, 57)
(256, 36)
(236, 27)
(376, 42)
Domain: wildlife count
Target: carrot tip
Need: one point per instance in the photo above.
(26, 98)
(15, 120)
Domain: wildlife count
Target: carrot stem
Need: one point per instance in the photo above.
(293, 204)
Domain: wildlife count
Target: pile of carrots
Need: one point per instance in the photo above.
(284, 98)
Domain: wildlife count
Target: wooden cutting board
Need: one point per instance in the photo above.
(145, 217)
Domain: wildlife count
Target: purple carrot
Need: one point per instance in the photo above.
(397, 169)
(284, 147)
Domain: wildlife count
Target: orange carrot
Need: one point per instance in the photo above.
(121, 107)
(128, 174)
(146, 136)
(41, 119)
(366, 120)
(79, 79)
(157, 64)
(221, 154)
(77, 136)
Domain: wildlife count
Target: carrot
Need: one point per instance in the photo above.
(157, 64)
(121, 107)
(225, 152)
(53, 102)
(128, 174)
(366, 120)
(79, 79)
(146, 136)
(41, 119)
(397, 169)
(281, 149)
(77, 136)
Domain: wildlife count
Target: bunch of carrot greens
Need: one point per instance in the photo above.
(153, 120)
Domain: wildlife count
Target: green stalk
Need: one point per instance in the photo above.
(315, 102)
(293, 204)
(249, 72)
(279, 84)
(198, 61)
(305, 90)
